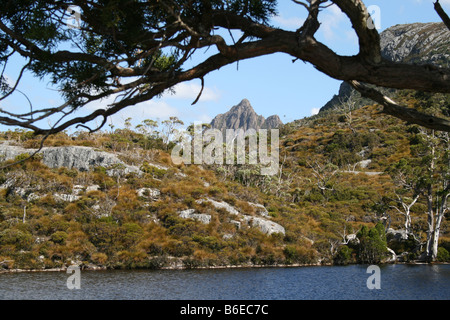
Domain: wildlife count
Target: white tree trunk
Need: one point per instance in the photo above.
(430, 223)
(437, 228)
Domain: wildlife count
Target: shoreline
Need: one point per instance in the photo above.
(98, 268)
(64, 269)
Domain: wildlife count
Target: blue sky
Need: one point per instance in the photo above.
(272, 84)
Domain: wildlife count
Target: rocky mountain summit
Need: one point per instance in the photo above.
(416, 43)
(243, 116)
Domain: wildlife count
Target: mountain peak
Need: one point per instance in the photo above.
(243, 105)
(245, 102)
(243, 116)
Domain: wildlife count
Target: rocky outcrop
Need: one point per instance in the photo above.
(220, 205)
(264, 225)
(33, 193)
(64, 197)
(260, 209)
(77, 157)
(416, 43)
(243, 116)
(148, 193)
(83, 159)
(190, 214)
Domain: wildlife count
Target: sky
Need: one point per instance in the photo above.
(273, 84)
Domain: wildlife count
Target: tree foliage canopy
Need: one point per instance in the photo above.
(136, 50)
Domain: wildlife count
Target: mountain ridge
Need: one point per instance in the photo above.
(243, 116)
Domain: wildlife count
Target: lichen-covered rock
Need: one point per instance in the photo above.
(33, 196)
(8, 152)
(189, 214)
(66, 197)
(260, 209)
(94, 187)
(266, 226)
(77, 189)
(83, 159)
(220, 205)
(77, 157)
(149, 193)
(236, 223)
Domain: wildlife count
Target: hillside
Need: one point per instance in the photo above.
(354, 186)
(115, 199)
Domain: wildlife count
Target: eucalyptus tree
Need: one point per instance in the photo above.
(433, 149)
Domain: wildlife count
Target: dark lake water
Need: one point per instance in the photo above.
(398, 282)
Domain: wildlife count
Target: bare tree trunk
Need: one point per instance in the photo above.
(430, 219)
(433, 225)
(435, 242)
(430, 223)
(441, 210)
(436, 210)
(407, 211)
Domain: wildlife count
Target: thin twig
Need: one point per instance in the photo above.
(200, 93)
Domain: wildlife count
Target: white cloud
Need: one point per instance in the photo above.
(331, 20)
(315, 111)
(153, 109)
(176, 104)
(190, 91)
(289, 23)
(182, 91)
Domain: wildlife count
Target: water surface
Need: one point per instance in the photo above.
(398, 282)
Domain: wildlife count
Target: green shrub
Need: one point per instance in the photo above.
(343, 256)
(298, 254)
(372, 247)
(153, 171)
(209, 241)
(443, 255)
(59, 237)
(20, 239)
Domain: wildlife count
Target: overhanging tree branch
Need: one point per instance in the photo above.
(440, 11)
(141, 53)
(390, 107)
